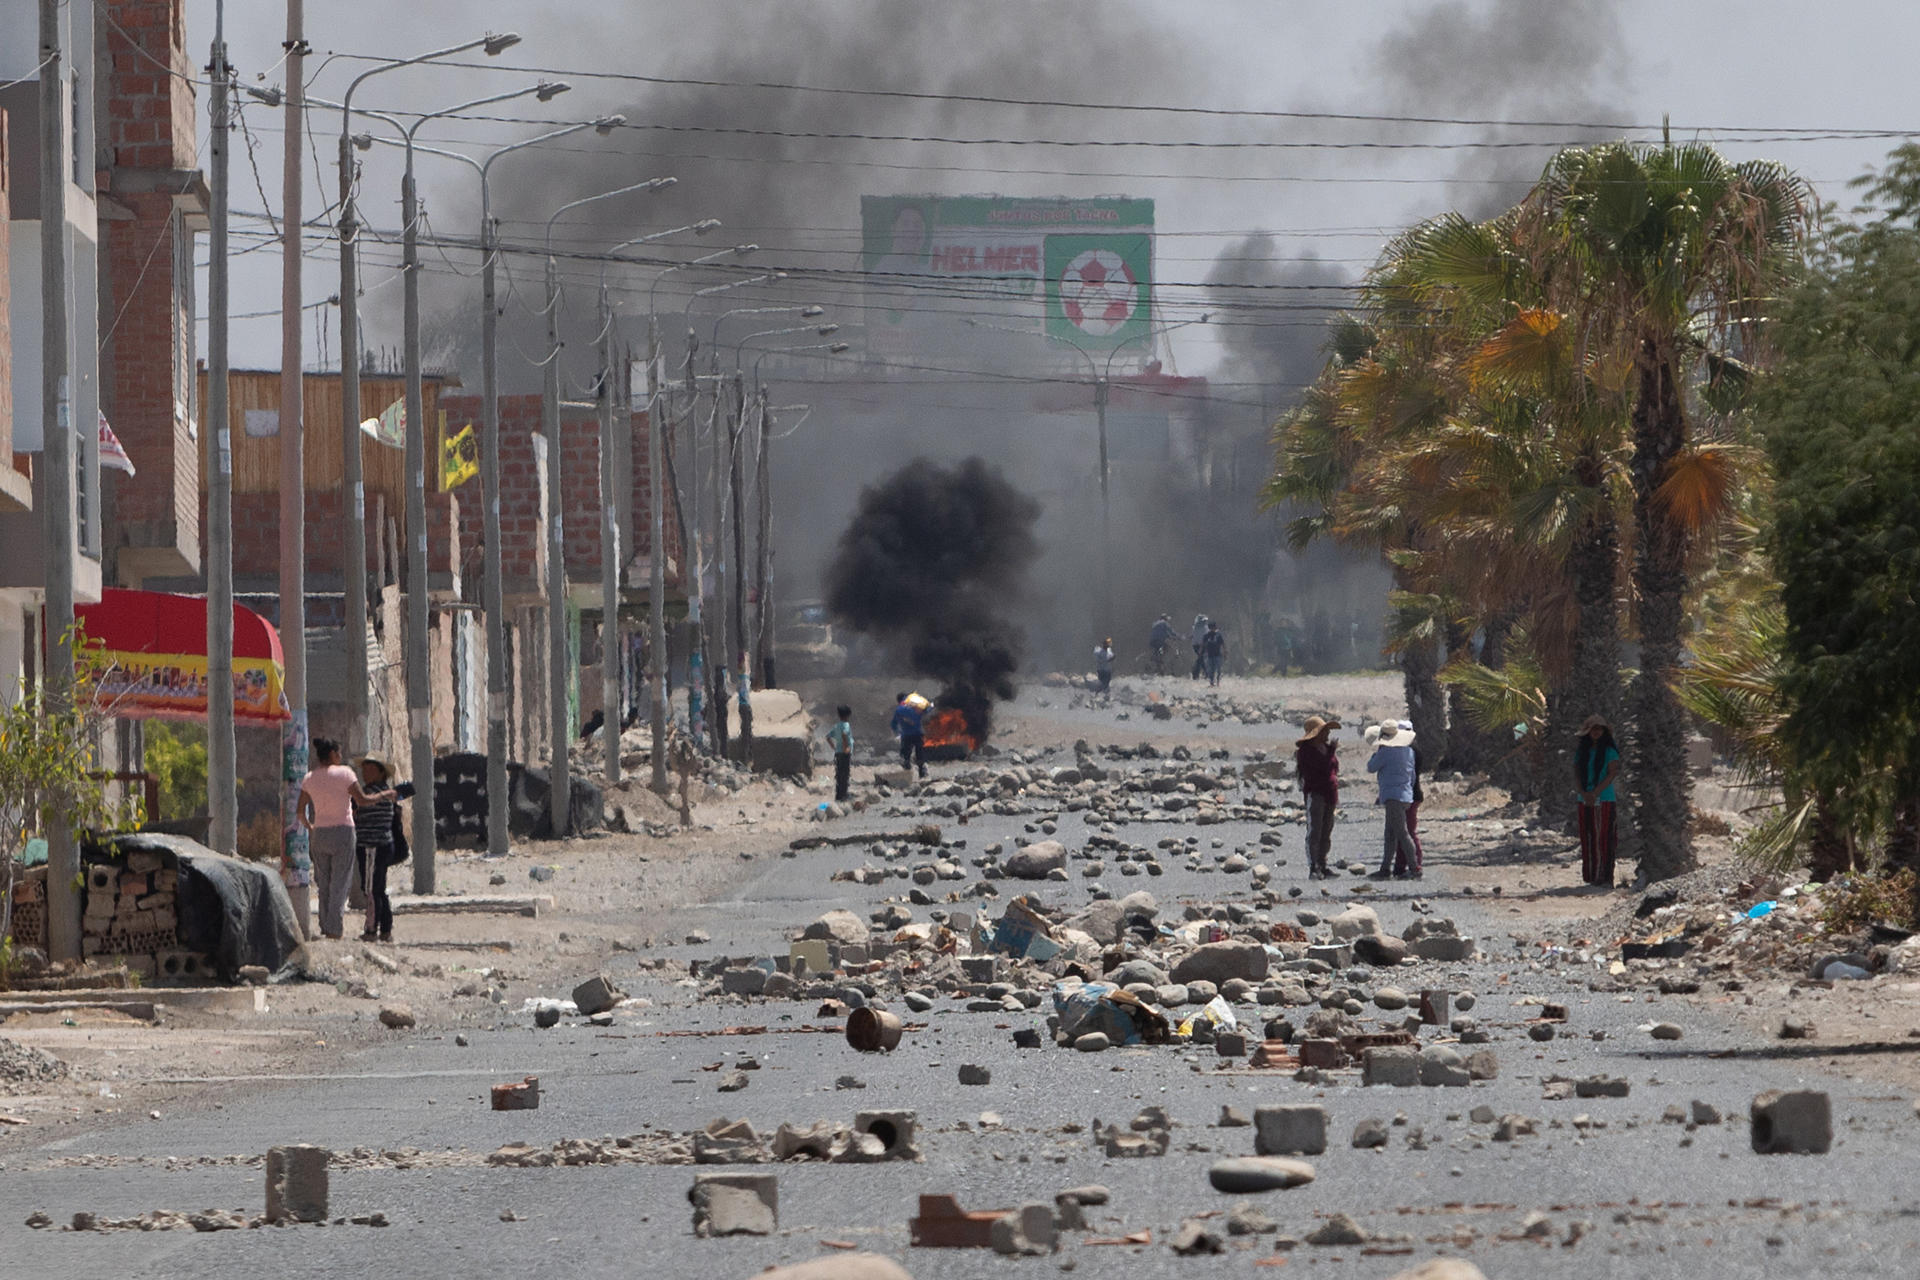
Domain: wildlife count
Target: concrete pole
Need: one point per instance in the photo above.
(610, 655)
(293, 480)
(696, 640)
(353, 490)
(1106, 512)
(763, 546)
(559, 665)
(493, 587)
(736, 483)
(419, 682)
(57, 486)
(657, 563)
(716, 617)
(222, 783)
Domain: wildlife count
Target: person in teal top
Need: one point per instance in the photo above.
(1596, 767)
(840, 739)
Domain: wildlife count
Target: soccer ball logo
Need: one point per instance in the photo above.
(1098, 293)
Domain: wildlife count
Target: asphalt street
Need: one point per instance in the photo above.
(1662, 1200)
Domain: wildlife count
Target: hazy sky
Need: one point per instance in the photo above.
(1711, 66)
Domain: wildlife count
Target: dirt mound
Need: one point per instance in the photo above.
(22, 1066)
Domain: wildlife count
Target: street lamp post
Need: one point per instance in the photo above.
(353, 490)
(766, 625)
(419, 686)
(493, 576)
(559, 667)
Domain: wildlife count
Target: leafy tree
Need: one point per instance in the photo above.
(1842, 428)
(176, 754)
(49, 755)
(1664, 255)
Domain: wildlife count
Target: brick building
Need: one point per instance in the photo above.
(523, 517)
(153, 201)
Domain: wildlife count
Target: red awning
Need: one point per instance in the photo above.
(155, 645)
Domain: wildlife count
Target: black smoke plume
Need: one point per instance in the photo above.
(933, 560)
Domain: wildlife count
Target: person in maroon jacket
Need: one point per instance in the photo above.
(1317, 758)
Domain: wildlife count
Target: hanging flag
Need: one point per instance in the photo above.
(112, 454)
(459, 455)
(390, 428)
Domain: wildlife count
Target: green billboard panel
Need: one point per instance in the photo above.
(1077, 271)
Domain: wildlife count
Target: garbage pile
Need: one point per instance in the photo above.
(1715, 925)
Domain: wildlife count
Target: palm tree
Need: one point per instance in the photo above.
(1657, 252)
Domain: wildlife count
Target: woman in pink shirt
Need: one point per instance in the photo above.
(327, 796)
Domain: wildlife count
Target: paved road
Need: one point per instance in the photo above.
(1662, 1201)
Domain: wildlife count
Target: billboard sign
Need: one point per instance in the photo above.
(1077, 271)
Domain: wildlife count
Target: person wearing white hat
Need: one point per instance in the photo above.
(1392, 766)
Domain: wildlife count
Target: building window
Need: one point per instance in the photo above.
(185, 384)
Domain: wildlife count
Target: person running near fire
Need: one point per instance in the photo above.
(913, 739)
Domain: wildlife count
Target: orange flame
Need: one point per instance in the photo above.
(948, 727)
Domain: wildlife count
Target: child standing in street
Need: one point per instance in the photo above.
(840, 739)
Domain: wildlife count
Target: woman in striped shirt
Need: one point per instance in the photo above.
(380, 842)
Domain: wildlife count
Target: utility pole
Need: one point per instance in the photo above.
(610, 655)
(353, 493)
(293, 481)
(696, 640)
(763, 547)
(559, 671)
(1106, 510)
(223, 796)
(735, 482)
(657, 565)
(717, 659)
(419, 690)
(493, 575)
(57, 495)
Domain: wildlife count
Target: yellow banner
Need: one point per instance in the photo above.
(459, 455)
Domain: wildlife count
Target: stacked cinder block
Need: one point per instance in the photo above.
(130, 915)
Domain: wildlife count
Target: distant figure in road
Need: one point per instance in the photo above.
(1160, 643)
(1403, 867)
(840, 738)
(325, 809)
(1392, 765)
(380, 843)
(1316, 757)
(1596, 767)
(1103, 663)
(1213, 651)
(1198, 638)
(913, 741)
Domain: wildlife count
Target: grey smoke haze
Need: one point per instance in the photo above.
(1565, 60)
(1089, 49)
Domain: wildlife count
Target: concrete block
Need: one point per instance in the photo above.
(297, 1183)
(1443, 948)
(1440, 1065)
(524, 1096)
(1393, 1065)
(1298, 1129)
(980, 968)
(1436, 1007)
(897, 1132)
(596, 995)
(1338, 955)
(1799, 1122)
(750, 981)
(735, 1204)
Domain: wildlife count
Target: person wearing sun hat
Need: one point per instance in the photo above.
(1317, 759)
(1392, 765)
(1596, 768)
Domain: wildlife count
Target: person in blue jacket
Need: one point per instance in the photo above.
(1393, 768)
(913, 740)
